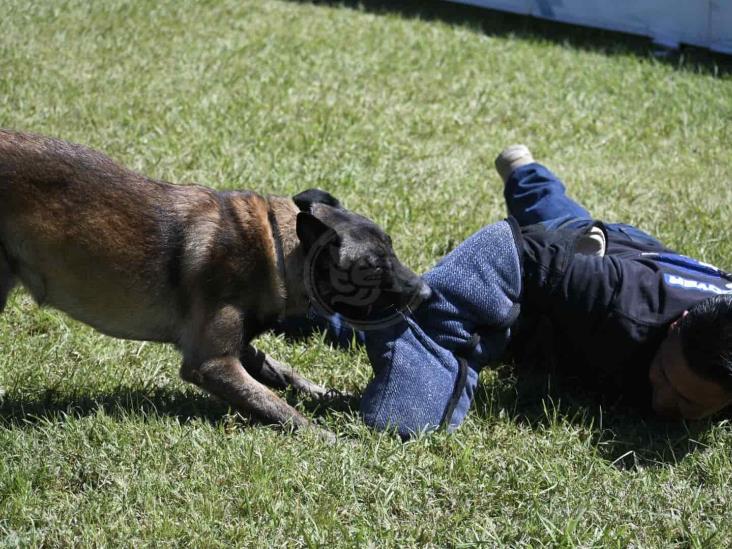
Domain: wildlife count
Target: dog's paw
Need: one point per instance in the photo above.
(335, 394)
(323, 434)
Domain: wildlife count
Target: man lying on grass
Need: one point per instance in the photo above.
(605, 302)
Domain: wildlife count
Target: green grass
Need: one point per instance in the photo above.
(399, 116)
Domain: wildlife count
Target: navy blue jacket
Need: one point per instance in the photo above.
(603, 318)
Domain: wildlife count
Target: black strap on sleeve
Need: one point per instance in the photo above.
(462, 378)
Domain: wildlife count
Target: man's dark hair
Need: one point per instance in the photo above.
(706, 339)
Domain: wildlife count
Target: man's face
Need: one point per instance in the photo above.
(678, 391)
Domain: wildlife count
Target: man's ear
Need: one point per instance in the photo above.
(306, 199)
(309, 229)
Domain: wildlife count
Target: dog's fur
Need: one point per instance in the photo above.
(143, 259)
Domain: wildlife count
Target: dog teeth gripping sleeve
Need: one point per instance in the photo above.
(426, 367)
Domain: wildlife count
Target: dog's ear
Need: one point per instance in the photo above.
(309, 229)
(306, 199)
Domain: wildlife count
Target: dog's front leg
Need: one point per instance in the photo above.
(211, 361)
(226, 378)
(277, 375)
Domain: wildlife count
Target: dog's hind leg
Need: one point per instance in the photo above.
(7, 279)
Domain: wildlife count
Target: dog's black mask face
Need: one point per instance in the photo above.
(351, 268)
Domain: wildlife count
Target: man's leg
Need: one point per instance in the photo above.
(535, 195)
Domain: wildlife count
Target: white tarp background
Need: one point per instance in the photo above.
(705, 23)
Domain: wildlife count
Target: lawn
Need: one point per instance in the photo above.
(398, 109)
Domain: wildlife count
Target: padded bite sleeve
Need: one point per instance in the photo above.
(426, 367)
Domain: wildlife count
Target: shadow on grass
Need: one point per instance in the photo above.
(626, 437)
(184, 406)
(498, 23)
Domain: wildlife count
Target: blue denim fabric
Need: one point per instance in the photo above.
(534, 195)
(475, 289)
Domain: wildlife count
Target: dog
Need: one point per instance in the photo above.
(207, 271)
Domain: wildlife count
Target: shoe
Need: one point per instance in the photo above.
(511, 158)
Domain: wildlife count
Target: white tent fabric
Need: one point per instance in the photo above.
(704, 23)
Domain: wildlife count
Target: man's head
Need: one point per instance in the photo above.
(691, 374)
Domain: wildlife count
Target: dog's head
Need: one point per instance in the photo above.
(350, 267)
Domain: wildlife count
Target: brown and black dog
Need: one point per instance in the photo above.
(207, 271)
